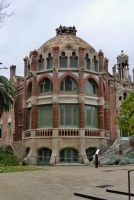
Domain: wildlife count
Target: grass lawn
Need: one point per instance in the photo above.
(19, 168)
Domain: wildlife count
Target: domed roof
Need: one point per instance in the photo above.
(65, 39)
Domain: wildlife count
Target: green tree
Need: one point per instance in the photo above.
(7, 93)
(125, 119)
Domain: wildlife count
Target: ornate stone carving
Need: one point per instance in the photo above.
(101, 101)
(45, 48)
(81, 69)
(68, 46)
(24, 104)
(67, 30)
(55, 69)
(55, 98)
(34, 100)
(81, 98)
(106, 105)
(32, 73)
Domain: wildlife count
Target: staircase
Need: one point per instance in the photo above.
(125, 146)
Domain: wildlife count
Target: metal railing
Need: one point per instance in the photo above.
(129, 194)
(34, 160)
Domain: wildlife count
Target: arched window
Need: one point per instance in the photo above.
(30, 90)
(87, 62)
(69, 155)
(49, 61)
(124, 95)
(40, 63)
(120, 97)
(28, 70)
(44, 156)
(68, 85)
(94, 64)
(45, 86)
(73, 61)
(90, 87)
(63, 60)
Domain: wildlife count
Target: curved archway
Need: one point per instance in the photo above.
(68, 155)
(45, 86)
(29, 90)
(27, 150)
(90, 87)
(124, 95)
(90, 153)
(68, 84)
(44, 155)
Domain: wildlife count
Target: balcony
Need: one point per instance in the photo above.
(65, 132)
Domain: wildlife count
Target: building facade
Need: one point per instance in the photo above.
(66, 102)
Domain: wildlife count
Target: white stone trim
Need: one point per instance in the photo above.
(91, 100)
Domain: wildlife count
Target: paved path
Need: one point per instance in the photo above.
(60, 183)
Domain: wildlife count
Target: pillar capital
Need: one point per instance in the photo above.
(25, 59)
(55, 49)
(81, 49)
(35, 52)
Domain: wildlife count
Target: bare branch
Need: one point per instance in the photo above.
(3, 12)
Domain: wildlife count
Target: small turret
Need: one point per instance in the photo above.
(122, 62)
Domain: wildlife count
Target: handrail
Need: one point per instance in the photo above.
(129, 194)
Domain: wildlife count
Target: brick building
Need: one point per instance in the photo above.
(66, 102)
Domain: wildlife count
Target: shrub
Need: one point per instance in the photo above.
(110, 162)
(8, 159)
(130, 155)
(24, 162)
(123, 161)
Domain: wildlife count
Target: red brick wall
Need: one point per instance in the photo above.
(5, 140)
(18, 108)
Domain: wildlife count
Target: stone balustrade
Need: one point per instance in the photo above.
(72, 132)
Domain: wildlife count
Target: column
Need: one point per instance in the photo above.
(81, 106)
(55, 141)
(106, 110)
(34, 122)
(101, 94)
(25, 110)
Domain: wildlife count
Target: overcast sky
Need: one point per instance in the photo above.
(104, 24)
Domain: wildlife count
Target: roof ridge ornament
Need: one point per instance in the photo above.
(68, 30)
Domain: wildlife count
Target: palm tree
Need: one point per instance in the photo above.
(7, 93)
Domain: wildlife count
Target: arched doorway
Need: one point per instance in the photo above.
(44, 156)
(90, 153)
(68, 155)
